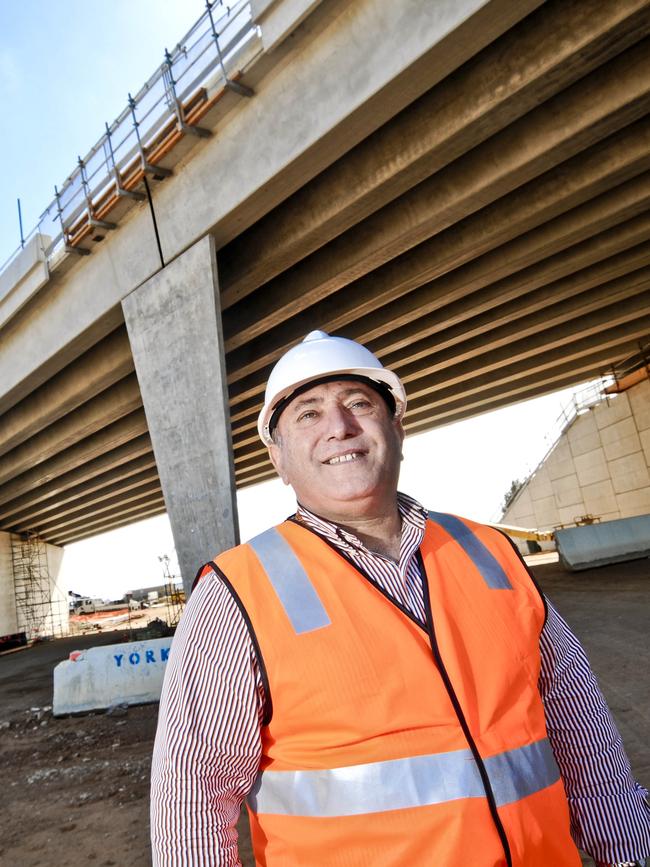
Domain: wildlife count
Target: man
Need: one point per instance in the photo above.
(384, 686)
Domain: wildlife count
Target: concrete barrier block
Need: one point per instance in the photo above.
(607, 542)
(99, 677)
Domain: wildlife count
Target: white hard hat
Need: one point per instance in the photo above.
(320, 356)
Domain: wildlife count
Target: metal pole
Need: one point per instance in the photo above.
(136, 125)
(20, 223)
(92, 221)
(58, 208)
(158, 172)
(123, 193)
(172, 88)
(178, 108)
(80, 251)
(644, 356)
(241, 89)
(154, 221)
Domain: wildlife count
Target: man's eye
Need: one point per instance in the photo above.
(307, 415)
(361, 403)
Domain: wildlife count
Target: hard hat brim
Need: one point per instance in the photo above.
(371, 374)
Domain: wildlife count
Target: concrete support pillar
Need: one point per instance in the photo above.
(174, 326)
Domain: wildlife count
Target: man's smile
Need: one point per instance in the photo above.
(345, 458)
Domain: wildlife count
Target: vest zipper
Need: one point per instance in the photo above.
(429, 629)
(435, 650)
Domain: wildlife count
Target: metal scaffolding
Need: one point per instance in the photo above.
(174, 597)
(37, 612)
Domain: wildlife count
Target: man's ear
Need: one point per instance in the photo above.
(275, 453)
(401, 433)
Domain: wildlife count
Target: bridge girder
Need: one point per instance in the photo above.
(489, 241)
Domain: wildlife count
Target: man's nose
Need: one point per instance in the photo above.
(340, 423)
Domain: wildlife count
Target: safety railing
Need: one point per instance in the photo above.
(582, 400)
(588, 396)
(170, 104)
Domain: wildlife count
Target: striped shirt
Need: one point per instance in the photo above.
(208, 744)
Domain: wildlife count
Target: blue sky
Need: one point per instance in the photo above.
(65, 69)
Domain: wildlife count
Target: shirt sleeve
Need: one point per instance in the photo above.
(610, 817)
(208, 747)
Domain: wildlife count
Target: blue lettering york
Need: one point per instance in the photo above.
(134, 658)
(164, 653)
(149, 656)
(118, 657)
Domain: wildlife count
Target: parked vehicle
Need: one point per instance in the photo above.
(86, 605)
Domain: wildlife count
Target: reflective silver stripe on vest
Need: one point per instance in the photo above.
(290, 581)
(483, 559)
(399, 784)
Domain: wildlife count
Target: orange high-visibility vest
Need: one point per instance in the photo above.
(387, 744)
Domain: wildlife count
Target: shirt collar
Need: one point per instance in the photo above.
(412, 513)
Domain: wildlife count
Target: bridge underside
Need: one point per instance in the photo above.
(489, 243)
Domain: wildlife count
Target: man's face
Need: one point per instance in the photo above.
(339, 448)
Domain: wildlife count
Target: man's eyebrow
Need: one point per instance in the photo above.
(358, 389)
(301, 402)
(305, 401)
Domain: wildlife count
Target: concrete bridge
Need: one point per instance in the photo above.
(462, 184)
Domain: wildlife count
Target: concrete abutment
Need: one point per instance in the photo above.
(32, 599)
(8, 614)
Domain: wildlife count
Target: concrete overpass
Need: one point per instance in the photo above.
(463, 186)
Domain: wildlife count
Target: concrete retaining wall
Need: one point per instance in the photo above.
(100, 677)
(600, 466)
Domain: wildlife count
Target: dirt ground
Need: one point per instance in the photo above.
(122, 619)
(75, 790)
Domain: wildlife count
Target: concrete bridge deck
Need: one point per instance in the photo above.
(463, 186)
